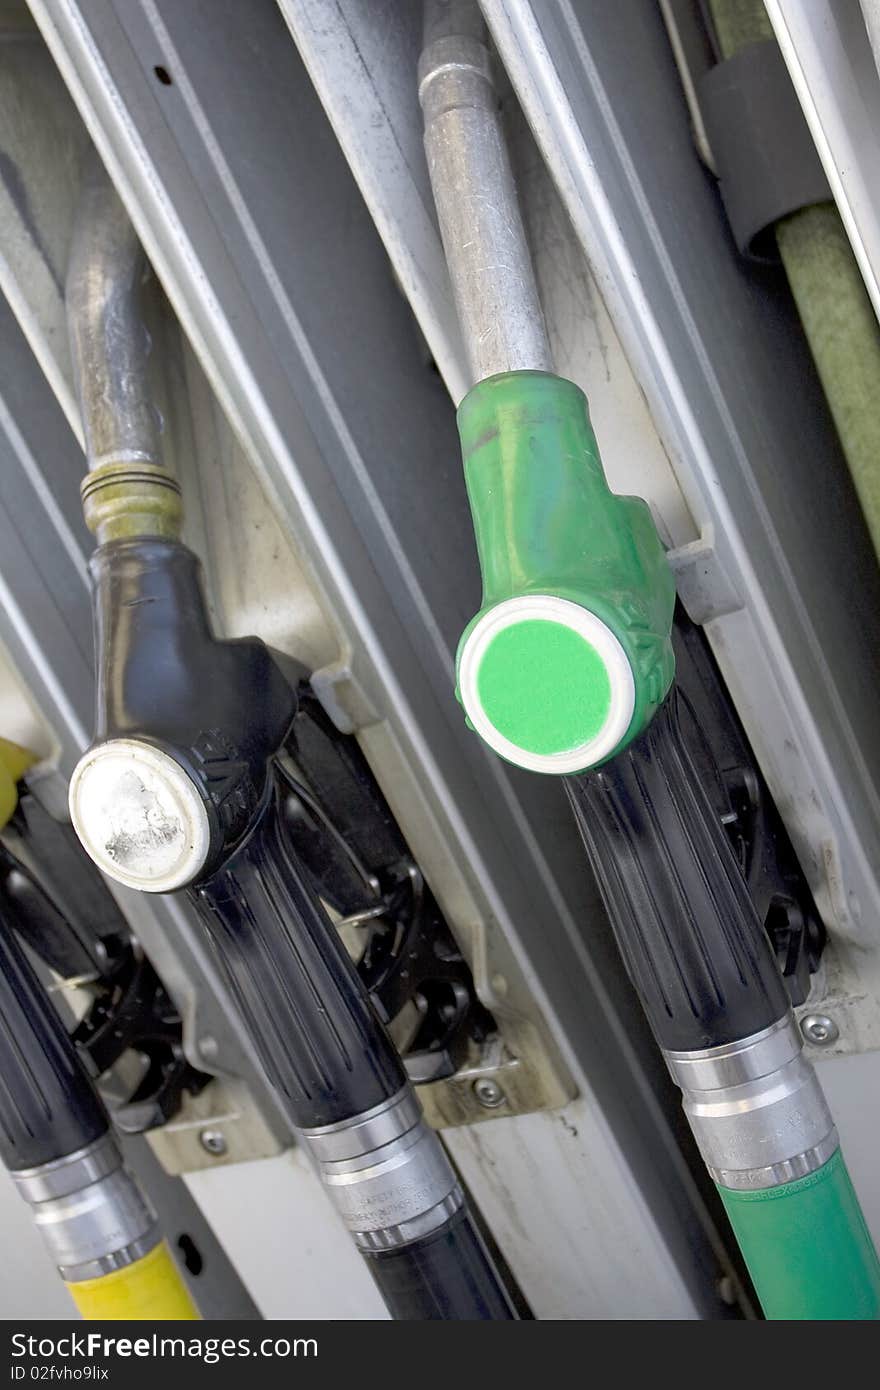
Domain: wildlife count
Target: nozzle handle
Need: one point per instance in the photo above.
(308, 1014)
(570, 654)
(48, 1106)
(686, 926)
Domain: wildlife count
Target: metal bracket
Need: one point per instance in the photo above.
(703, 585)
(492, 1084)
(219, 1126)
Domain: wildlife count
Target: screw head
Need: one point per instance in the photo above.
(819, 1029)
(488, 1092)
(213, 1141)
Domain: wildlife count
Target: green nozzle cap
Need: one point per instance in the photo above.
(570, 654)
(544, 687)
(546, 683)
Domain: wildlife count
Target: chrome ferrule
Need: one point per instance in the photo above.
(756, 1108)
(89, 1211)
(387, 1173)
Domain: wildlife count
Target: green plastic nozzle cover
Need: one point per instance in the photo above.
(807, 1247)
(547, 524)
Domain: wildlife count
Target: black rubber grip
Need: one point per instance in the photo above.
(61, 906)
(448, 1276)
(309, 1016)
(48, 1107)
(688, 931)
(24, 900)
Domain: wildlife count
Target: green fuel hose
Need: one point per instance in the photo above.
(807, 1247)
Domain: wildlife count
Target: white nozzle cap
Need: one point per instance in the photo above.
(139, 816)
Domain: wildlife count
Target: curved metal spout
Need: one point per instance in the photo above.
(481, 226)
(108, 340)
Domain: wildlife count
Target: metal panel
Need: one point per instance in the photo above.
(255, 229)
(219, 1286)
(826, 50)
(288, 1243)
(362, 59)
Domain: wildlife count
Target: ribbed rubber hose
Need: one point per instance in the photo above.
(827, 286)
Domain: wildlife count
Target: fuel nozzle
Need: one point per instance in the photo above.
(180, 791)
(568, 668)
(569, 655)
(58, 1145)
(701, 961)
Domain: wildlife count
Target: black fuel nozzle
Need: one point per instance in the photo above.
(218, 712)
(48, 1107)
(57, 1143)
(180, 791)
(219, 709)
(680, 907)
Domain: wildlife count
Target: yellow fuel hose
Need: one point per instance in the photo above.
(149, 1290)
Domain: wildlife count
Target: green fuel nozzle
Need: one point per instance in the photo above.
(570, 655)
(568, 668)
(182, 790)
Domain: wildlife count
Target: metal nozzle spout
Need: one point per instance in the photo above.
(128, 491)
(484, 239)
